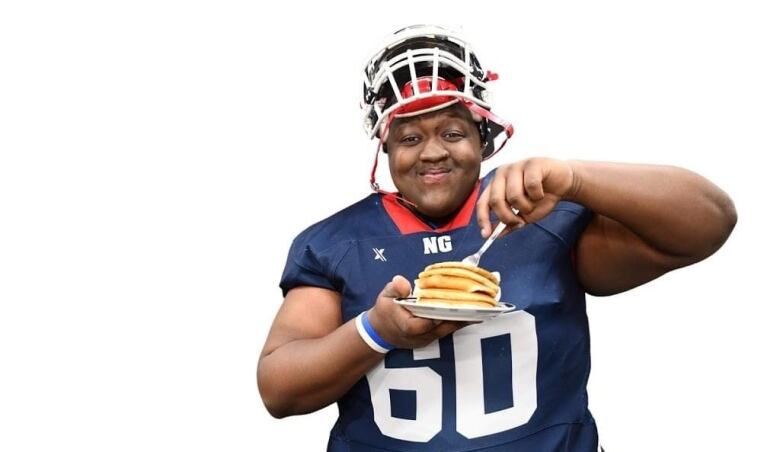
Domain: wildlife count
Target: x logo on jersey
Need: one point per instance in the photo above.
(378, 254)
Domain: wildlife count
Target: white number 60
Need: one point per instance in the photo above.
(471, 419)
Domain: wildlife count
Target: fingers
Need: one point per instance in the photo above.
(521, 186)
(516, 195)
(532, 180)
(399, 287)
(498, 199)
(422, 331)
(448, 327)
(416, 326)
(483, 214)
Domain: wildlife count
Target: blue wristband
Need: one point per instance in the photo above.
(370, 336)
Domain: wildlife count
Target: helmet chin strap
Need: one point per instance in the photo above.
(509, 129)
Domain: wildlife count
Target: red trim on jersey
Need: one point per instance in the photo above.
(408, 223)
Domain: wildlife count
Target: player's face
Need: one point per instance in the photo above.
(435, 158)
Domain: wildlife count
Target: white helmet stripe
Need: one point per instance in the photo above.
(435, 86)
(412, 72)
(467, 80)
(391, 79)
(366, 82)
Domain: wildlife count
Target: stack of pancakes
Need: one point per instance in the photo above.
(457, 283)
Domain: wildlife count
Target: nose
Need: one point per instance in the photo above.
(433, 151)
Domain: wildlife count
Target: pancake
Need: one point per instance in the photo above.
(457, 284)
(462, 274)
(465, 266)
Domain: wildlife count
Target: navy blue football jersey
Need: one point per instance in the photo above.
(513, 383)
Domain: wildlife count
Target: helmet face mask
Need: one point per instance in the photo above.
(423, 69)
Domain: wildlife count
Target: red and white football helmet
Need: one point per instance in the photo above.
(424, 68)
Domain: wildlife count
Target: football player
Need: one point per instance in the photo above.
(513, 383)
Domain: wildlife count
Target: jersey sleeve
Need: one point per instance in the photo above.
(310, 263)
(567, 222)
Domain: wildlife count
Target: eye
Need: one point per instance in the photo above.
(409, 139)
(453, 135)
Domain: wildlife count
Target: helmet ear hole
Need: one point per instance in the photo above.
(484, 131)
(487, 139)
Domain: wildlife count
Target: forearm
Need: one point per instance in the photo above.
(672, 209)
(305, 375)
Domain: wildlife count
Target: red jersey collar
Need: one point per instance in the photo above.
(408, 223)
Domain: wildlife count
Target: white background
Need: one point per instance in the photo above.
(158, 157)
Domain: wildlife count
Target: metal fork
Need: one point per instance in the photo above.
(474, 258)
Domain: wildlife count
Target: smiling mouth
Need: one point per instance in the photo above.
(434, 175)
